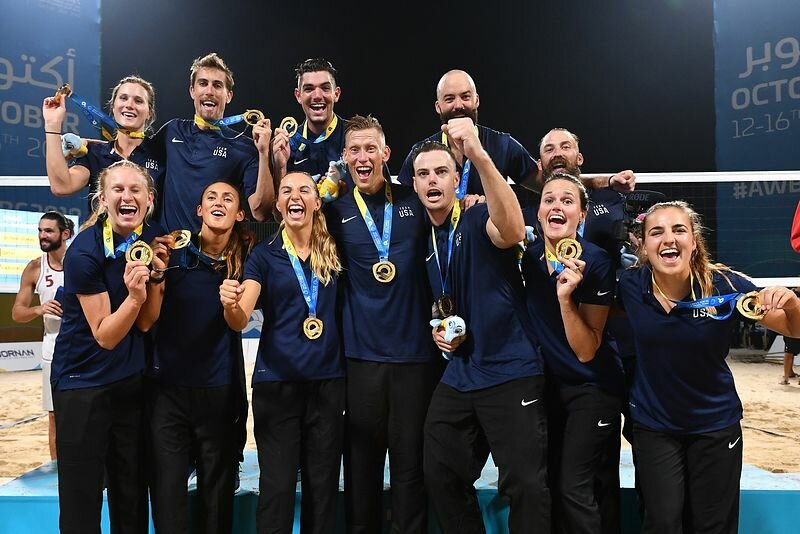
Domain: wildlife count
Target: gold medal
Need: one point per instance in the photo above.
(384, 271)
(445, 305)
(139, 251)
(748, 306)
(290, 125)
(63, 91)
(312, 327)
(252, 116)
(180, 238)
(568, 249)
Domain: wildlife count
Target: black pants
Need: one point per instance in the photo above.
(462, 428)
(386, 408)
(101, 429)
(583, 420)
(298, 424)
(191, 425)
(690, 482)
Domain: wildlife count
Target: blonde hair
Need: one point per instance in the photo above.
(700, 265)
(99, 212)
(325, 260)
(211, 61)
(148, 88)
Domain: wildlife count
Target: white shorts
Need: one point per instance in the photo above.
(47, 390)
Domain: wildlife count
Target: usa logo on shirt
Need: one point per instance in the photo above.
(151, 164)
(405, 211)
(458, 239)
(221, 151)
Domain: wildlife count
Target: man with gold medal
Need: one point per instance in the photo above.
(392, 363)
(490, 398)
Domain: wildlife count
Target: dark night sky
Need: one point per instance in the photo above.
(634, 79)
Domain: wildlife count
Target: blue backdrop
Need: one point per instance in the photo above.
(43, 44)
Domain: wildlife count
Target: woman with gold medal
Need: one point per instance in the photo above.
(99, 358)
(195, 386)
(683, 402)
(298, 380)
(569, 284)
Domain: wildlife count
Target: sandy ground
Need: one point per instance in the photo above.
(771, 421)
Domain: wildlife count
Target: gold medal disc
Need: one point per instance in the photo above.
(181, 238)
(445, 305)
(252, 116)
(748, 306)
(312, 327)
(139, 251)
(63, 91)
(384, 271)
(568, 249)
(290, 125)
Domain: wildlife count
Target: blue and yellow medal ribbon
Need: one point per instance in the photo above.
(309, 294)
(108, 240)
(299, 141)
(382, 242)
(108, 127)
(455, 216)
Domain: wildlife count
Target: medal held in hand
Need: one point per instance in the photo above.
(748, 306)
(290, 125)
(568, 249)
(181, 238)
(139, 251)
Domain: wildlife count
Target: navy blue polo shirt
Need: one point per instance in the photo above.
(682, 383)
(102, 155)
(78, 361)
(508, 155)
(606, 210)
(315, 158)
(284, 352)
(486, 286)
(196, 158)
(193, 344)
(597, 287)
(384, 322)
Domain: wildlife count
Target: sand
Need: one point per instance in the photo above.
(771, 416)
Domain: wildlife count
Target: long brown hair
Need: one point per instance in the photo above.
(240, 242)
(99, 213)
(325, 260)
(701, 266)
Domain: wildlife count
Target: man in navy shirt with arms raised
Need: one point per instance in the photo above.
(490, 396)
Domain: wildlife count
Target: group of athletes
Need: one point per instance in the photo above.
(441, 319)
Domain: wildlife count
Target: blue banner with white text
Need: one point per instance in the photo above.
(44, 44)
(757, 94)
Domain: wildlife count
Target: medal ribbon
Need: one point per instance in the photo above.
(299, 141)
(108, 240)
(454, 218)
(108, 127)
(311, 295)
(381, 243)
(461, 192)
(697, 304)
(202, 256)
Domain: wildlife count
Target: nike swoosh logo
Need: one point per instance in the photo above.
(299, 161)
(526, 403)
(601, 423)
(176, 140)
(349, 219)
(429, 257)
(601, 293)
(732, 445)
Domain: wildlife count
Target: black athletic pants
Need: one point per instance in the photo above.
(583, 421)
(386, 408)
(690, 482)
(298, 424)
(508, 420)
(97, 429)
(191, 425)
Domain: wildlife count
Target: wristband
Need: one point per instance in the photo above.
(52, 133)
(154, 280)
